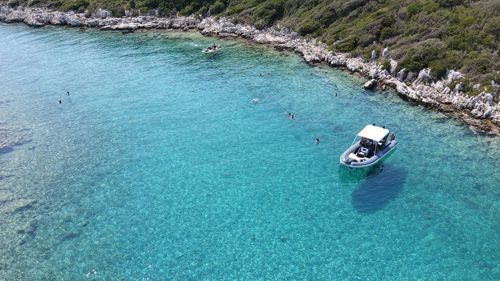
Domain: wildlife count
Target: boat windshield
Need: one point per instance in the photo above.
(368, 147)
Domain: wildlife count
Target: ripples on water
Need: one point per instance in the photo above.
(158, 167)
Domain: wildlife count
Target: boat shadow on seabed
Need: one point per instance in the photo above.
(376, 186)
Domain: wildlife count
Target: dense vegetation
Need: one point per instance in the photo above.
(441, 34)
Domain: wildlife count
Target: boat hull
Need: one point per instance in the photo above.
(354, 163)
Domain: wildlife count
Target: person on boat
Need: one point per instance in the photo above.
(392, 137)
(214, 47)
(381, 144)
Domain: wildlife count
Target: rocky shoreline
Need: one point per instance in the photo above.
(481, 112)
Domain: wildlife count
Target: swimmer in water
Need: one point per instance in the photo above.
(67, 93)
(316, 141)
(255, 100)
(60, 101)
(292, 116)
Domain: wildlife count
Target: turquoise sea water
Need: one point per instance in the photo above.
(157, 166)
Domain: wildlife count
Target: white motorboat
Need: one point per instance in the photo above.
(370, 146)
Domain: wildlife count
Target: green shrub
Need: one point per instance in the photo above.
(235, 9)
(403, 13)
(327, 16)
(202, 11)
(466, 21)
(388, 21)
(481, 63)
(367, 40)
(430, 7)
(492, 27)
(412, 64)
(449, 3)
(189, 9)
(347, 44)
(467, 84)
(73, 5)
(438, 69)
(268, 11)
(144, 10)
(217, 8)
(387, 32)
(453, 60)
(420, 55)
(414, 9)
(462, 42)
(386, 65)
(308, 27)
(350, 6)
(165, 8)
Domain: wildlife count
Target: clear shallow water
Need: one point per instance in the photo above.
(158, 167)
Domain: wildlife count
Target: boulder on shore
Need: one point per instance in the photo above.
(370, 85)
(402, 74)
(125, 26)
(424, 76)
(101, 14)
(32, 21)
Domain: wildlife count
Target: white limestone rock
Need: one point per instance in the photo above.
(370, 85)
(101, 14)
(424, 76)
(402, 74)
(385, 52)
(452, 75)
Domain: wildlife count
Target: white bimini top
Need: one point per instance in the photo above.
(374, 133)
